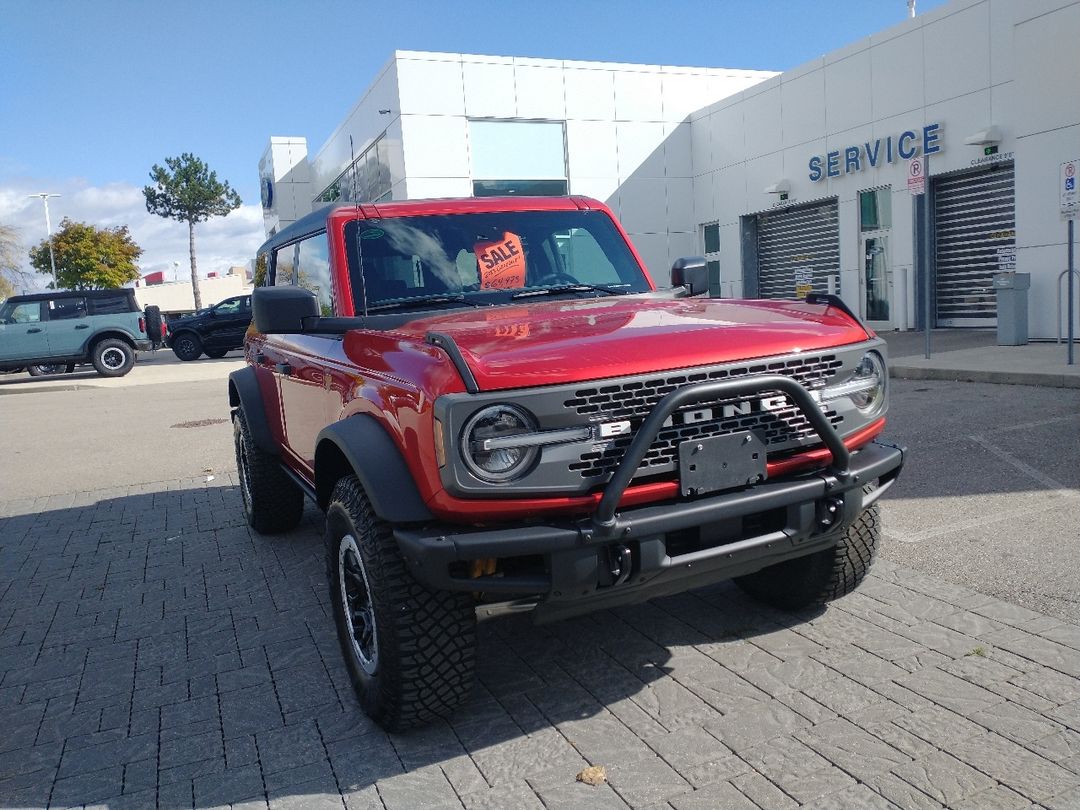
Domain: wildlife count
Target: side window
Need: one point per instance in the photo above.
(63, 309)
(313, 271)
(27, 312)
(109, 304)
(230, 306)
(284, 265)
(260, 278)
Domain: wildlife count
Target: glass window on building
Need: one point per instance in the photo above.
(518, 157)
(710, 235)
(313, 271)
(284, 264)
(875, 209)
(366, 179)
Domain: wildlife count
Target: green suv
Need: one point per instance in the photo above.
(50, 332)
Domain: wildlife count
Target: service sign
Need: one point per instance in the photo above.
(1070, 194)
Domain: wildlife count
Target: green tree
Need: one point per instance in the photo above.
(188, 191)
(88, 257)
(10, 274)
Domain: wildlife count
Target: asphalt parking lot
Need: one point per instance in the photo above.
(154, 651)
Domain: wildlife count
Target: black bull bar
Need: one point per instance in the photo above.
(572, 544)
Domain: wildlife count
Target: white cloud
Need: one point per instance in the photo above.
(220, 243)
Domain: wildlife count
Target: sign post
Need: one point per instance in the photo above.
(918, 168)
(1070, 210)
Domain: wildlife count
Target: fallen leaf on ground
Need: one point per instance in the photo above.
(593, 775)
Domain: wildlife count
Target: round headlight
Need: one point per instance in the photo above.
(871, 372)
(487, 455)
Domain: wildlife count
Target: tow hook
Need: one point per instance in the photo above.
(620, 563)
(829, 511)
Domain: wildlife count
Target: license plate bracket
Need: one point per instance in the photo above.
(720, 462)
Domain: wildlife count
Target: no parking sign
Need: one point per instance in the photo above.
(916, 179)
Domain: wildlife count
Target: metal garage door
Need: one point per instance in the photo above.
(974, 216)
(798, 247)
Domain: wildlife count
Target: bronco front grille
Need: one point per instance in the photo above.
(779, 428)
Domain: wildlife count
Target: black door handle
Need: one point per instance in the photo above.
(283, 368)
(83, 326)
(260, 358)
(32, 331)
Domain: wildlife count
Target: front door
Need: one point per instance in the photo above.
(877, 281)
(23, 332)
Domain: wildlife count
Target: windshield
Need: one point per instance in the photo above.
(476, 259)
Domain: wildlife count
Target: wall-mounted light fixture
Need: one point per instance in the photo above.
(779, 187)
(385, 112)
(984, 137)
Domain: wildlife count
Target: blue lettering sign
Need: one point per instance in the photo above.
(906, 154)
(851, 159)
(930, 138)
(871, 157)
(833, 163)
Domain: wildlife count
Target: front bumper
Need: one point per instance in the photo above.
(664, 548)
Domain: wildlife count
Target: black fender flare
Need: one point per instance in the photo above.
(244, 394)
(104, 334)
(359, 444)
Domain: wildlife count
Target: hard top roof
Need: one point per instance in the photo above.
(317, 219)
(52, 295)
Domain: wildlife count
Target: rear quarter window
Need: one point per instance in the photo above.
(109, 304)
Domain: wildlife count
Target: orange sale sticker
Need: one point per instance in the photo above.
(502, 263)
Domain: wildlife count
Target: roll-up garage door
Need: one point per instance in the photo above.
(798, 247)
(974, 218)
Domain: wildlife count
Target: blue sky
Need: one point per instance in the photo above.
(96, 91)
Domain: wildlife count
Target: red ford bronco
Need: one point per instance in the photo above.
(492, 403)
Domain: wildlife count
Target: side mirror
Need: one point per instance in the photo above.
(692, 273)
(281, 310)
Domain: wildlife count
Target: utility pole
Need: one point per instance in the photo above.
(44, 197)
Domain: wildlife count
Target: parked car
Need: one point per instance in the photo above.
(213, 331)
(48, 333)
(491, 402)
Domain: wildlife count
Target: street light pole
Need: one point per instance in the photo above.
(44, 196)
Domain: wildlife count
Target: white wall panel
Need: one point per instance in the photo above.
(847, 92)
(1047, 67)
(592, 149)
(642, 204)
(604, 189)
(957, 53)
(802, 101)
(896, 75)
(762, 116)
(677, 150)
(641, 150)
(539, 92)
(680, 204)
(430, 88)
(435, 146)
(420, 188)
(638, 97)
(590, 94)
(683, 93)
(654, 252)
(489, 90)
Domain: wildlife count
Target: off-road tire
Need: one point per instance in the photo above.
(187, 346)
(215, 354)
(112, 357)
(273, 502)
(152, 316)
(822, 576)
(425, 640)
(49, 369)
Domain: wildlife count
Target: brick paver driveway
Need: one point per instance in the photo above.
(153, 651)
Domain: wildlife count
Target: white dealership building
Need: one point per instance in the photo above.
(785, 182)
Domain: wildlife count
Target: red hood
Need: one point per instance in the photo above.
(551, 342)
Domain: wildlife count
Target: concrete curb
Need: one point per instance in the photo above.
(1042, 379)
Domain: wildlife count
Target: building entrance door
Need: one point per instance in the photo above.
(877, 281)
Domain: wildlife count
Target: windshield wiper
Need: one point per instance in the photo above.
(423, 301)
(565, 288)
